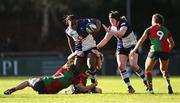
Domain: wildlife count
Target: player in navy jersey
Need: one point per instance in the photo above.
(85, 45)
(126, 41)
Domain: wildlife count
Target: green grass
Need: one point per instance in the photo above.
(114, 91)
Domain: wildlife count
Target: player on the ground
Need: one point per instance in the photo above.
(126, 41)
(161, 45)
(63, 78)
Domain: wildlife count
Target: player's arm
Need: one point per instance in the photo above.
(70, 43)
(171, 42)
(77, 41)
(87, 88)
(140, 42)
(118, 33)
(105, 40)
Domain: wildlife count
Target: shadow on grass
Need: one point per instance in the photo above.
(175, 93)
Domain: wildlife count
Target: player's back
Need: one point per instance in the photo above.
(158, 36)
(61, 80)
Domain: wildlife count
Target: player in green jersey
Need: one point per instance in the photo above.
(63, 78)
(161, 45)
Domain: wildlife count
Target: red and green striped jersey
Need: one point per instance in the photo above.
(62, 79)
(158, 36)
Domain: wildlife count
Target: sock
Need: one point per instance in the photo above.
(166, 77)
(125, 77)
(141, 74)
(92, 75)
(149, 79)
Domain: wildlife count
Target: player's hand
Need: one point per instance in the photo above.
(105, 28)
(71, 56)
(132, 52)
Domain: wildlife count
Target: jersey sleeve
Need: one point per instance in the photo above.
(75, 36)
(72, 33)
(146, 31)
(124, 23)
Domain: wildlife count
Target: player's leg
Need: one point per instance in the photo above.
(80, 63)
(149, 65)
(18, 87)
(91, 63)
(163, 67)
(133, 59)
(122, 60)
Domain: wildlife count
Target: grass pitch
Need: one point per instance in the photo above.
(114, 91)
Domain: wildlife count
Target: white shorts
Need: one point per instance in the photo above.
(33, 81)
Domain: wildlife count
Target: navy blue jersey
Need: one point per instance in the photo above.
(125, 23)
(128, 39)
(81, 30)
(87, 41)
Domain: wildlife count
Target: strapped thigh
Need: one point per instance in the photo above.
(91, 60)
(80, 62)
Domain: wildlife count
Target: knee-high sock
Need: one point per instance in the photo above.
(166, 76)
(149, 78)
(125, 77)
(141, 74)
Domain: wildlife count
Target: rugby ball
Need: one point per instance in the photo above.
(91, 28)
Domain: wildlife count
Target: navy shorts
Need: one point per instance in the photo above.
(158, 55)
(39, 86)
(125, 51)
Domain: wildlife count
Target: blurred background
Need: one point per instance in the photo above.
(33, 42)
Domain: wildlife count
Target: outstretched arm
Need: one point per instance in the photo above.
(105, 40)
(171, 42)
(118, 33)
(70, 43)
(139, 43)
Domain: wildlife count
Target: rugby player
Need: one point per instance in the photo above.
(161, 45)
(84, 43)
(62, 79)
(126, 41)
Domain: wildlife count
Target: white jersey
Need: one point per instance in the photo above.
(87, 43)
(127, 41)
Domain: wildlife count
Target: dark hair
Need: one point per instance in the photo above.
(158, 18)
(114, 14)
(70, 17)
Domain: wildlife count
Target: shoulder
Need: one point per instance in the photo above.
(124, 23)
(165, 28)
(147, 30)
(70, 32)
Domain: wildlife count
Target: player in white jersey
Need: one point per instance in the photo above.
(85, 45)
(126, 41)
